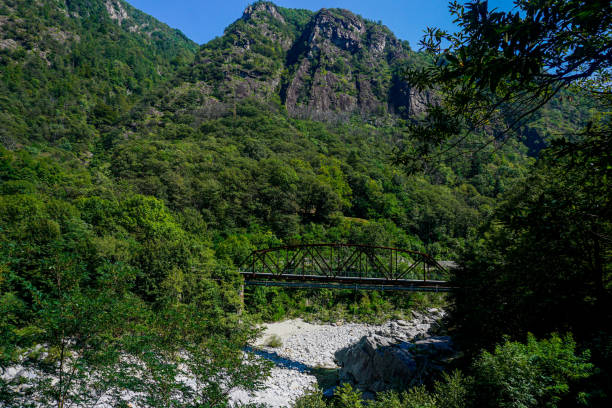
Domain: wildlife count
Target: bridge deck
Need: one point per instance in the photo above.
(343, 280)
(355, 286)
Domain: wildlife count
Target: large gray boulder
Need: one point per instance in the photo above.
(378, 363)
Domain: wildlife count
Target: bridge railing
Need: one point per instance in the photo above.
(343, 261)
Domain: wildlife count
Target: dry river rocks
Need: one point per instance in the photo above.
(373, 357)
(377, 363)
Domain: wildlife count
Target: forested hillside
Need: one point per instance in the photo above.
(282, 130)
(254, 156)
(70, 68)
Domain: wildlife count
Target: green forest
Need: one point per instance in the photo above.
(138, 170)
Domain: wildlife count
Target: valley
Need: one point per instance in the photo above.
(152, 189)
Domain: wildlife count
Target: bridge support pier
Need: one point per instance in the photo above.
(241, 295)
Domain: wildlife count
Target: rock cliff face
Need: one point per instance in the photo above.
(398, 358)
(345, 64)
(318, 65)
(376, 363)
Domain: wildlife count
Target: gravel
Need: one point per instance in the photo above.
(307, 346)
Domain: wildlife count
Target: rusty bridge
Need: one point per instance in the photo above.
(345, 266)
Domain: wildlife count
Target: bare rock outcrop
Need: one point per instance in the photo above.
(398, 357)
(324, 66)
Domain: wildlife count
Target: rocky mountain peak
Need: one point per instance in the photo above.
(326, 65)
(341, 27)
(260, 9)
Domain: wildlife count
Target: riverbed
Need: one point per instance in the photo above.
(303, 353)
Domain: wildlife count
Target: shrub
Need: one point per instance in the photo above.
(538, 373)
(274, 341)
(415, 397)
(453, 391)
(348, 397)
(311, 399)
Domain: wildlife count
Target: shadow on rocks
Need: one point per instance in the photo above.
(378, 363)
(280, 361)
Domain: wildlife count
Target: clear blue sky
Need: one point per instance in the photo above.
(203, 20)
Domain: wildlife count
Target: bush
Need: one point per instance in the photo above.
(454, 390)
(311, 399)
(347, 397)
(535, 374)
(274, 341)
(416, 397)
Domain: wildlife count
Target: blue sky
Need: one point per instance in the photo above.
(203, 20)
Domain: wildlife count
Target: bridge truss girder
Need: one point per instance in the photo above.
(345, 264)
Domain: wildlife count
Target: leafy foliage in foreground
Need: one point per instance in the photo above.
(103, 292)
(502, 72)
(548, 249)
(543, 261)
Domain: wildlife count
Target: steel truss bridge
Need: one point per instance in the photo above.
(345, 266)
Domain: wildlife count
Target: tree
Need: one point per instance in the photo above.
(91, 339)
(501, 68)
(543, 262)
(107, 299)
(66, 347)
(188, 360)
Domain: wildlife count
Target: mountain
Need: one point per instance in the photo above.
(324, 65)
(281, 130)
(288, 122)
(70, 67)
(72, 70)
